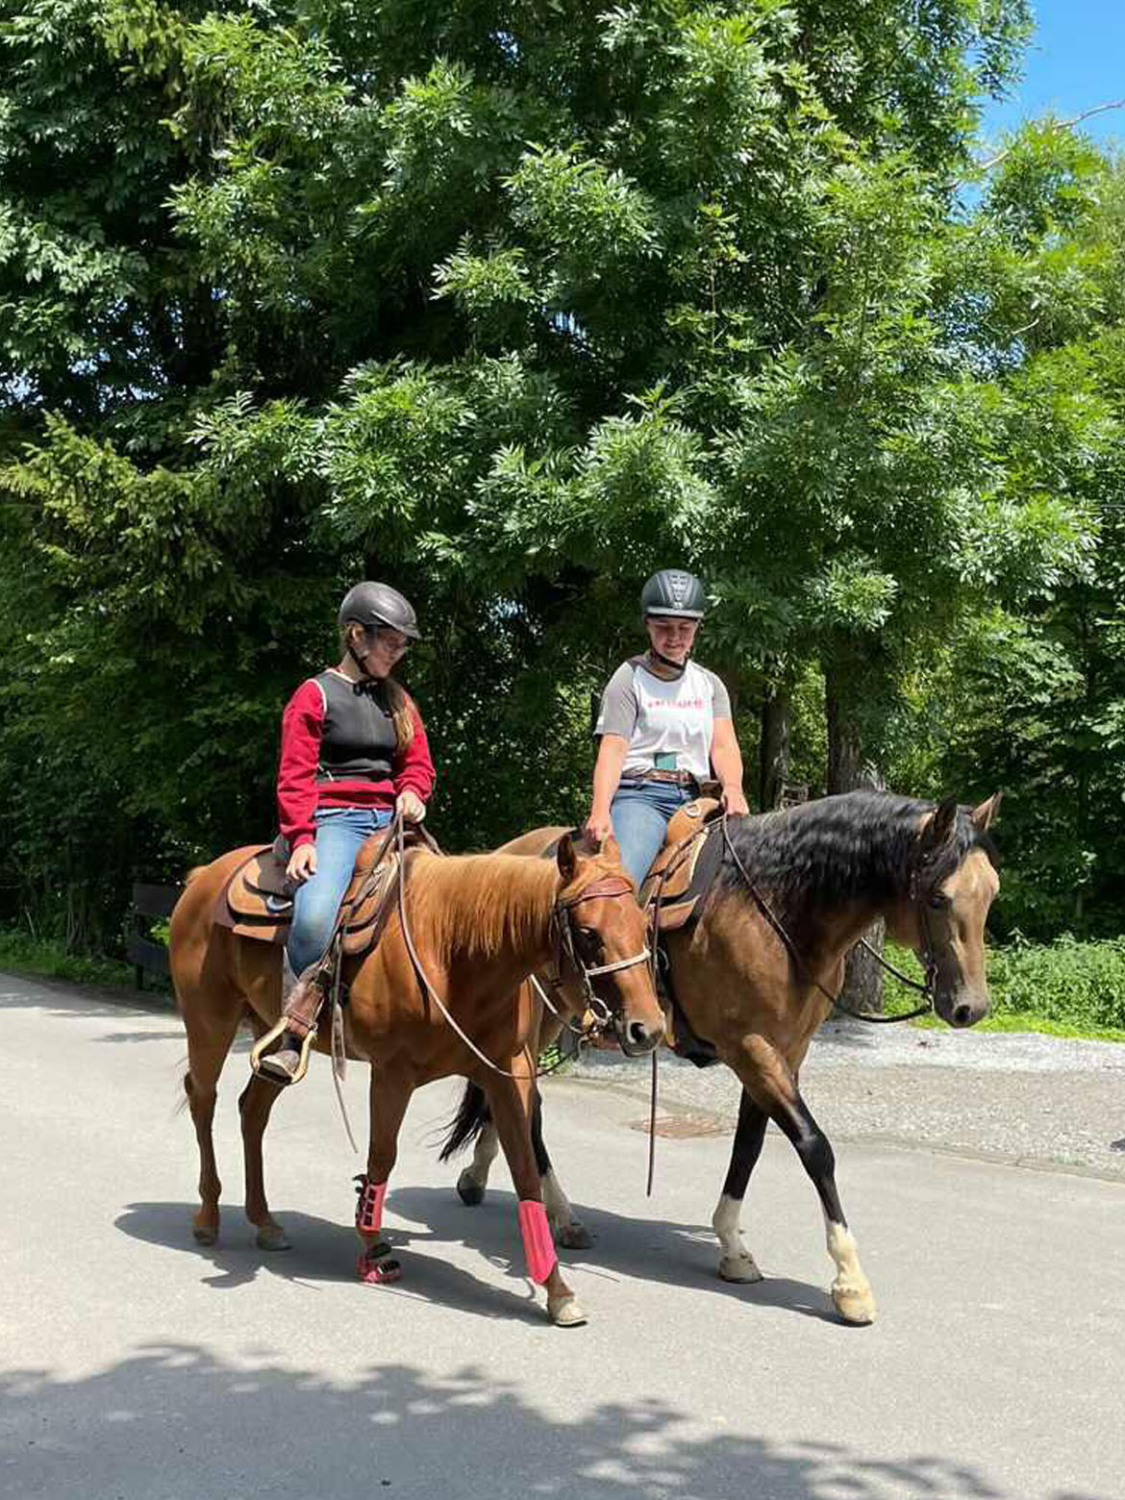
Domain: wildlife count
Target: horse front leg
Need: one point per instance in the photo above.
(851, 1290)
(736, 1263)
(511, 1102)
(390, 1094)
(767, 1078)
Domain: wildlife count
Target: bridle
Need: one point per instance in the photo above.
(562, 922)
(918, 895)
(562, 919)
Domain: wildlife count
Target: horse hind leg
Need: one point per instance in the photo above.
(473, 1181)
(736, 1263)
(254, 1106)
(208, 1045)
(568, 1231)
(201, 1102)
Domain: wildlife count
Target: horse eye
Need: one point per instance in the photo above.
(940, 901)
(589, 934)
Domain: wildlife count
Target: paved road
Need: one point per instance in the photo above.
(133, 1364)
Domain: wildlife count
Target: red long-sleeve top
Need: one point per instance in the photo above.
(300, 793)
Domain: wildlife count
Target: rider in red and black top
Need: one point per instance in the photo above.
(353, 752)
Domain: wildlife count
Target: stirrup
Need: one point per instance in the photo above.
(272, 1036)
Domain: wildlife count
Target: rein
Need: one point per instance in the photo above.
(561, 921)
(926, 989)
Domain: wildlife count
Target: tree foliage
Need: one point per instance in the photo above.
(513, 304)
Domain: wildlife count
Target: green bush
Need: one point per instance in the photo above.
(1073, 983)
(1067, 980)
(46, 956)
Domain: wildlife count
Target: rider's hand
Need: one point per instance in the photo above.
(302, 864)
(598, 827)
(734, 802)
(411, 806)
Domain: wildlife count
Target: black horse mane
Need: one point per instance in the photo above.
(856, 845)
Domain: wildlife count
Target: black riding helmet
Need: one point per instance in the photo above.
(374, 604)
(676, 593)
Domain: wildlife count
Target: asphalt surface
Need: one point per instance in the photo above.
(135, 1364)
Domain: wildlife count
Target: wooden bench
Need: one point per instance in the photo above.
(150, 903)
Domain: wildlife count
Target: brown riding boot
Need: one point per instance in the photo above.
(287, 1058)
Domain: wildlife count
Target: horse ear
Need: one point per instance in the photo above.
(611, 849)
(938, 828)
(567, 859)
(985, 815)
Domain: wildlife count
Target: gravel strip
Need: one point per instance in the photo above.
(1022, 1098)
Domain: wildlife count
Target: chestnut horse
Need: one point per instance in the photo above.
(479, 924)
(824, 871)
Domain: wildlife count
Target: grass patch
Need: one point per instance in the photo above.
(1065, 988)
(50, 960)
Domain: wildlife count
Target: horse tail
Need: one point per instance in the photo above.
(471, 1118)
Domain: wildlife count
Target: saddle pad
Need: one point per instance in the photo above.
(686, 866)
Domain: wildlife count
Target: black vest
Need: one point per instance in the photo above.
(358, 740)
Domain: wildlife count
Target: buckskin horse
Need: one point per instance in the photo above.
(478, 924)
(756, 973)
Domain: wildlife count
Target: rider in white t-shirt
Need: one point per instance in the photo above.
(665, 724)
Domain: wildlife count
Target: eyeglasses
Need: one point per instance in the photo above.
(392, 640)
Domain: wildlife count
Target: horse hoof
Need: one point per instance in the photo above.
(378, 1270)
(740, 1268)
(856, 1305)
(470, 1190)
(573, 1236)
(205, 1234)
(273, 1237)
(566, 1312)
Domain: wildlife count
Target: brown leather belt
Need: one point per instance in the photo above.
(675, 778)
(698, 786)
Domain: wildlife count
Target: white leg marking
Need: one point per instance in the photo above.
(851, 1291)
(569, 1232)
(487, 1148)
(735, 1261)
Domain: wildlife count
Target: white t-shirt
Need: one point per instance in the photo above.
(665, 718)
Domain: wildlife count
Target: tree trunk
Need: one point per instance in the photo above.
(847, 771)
(773, 748)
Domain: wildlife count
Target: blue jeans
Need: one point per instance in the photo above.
(340, 831)
(640, 812)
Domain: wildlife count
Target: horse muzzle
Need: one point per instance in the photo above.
(962, 1008)
(637, 1037)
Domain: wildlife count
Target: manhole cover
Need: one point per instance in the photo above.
(680, 1127)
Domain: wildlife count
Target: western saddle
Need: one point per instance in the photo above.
(257, 901)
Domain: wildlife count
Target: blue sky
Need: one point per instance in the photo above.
(1076, 61)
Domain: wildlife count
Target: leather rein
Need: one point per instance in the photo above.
(929, 961)
(562, 922)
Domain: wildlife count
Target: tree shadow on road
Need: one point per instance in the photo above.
(177, 1420)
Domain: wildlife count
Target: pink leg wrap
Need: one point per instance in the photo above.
(369, 1209)
(538, 1246)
